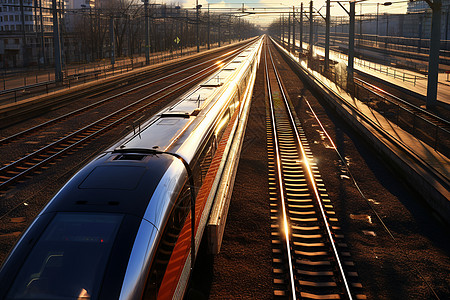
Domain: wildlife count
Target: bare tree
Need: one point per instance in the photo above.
(171, 28)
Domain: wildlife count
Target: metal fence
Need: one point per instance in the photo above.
(393, 72)
(415, 121)
(20, 85)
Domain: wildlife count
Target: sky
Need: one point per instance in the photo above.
(369, 6)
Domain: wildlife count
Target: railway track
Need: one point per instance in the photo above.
(423, 124)
(157, 78)
(426, 115)
(46, 153)
(310, 257)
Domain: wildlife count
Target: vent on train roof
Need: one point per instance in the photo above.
(175, 114)
(212, 84)
(130, 157)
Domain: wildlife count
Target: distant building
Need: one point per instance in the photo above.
(422, 6)
(79, 22)
(25, 32)
(28, 40)
(419, 22)
(79, 4)
(417, 6)
(414, 25)
(75, 12)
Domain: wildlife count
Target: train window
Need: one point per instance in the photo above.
(207, 156)
(244, 80)
(231, 106)
(234, 102)
(69, 259)
(220, 129)
(237, 98)
(182, 207)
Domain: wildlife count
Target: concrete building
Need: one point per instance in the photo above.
(76, 10)
(26, 29)
(421, 6)
(25, 32)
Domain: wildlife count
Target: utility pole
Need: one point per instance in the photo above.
(387, 22)
(112, 38)
(188, 41)
(387, 30)
(181, 32)
(178, 29)
(239, 26)
(281, 27)
(360, 25)
(24, 38)
(219, 31)
(197, 25)
(41, 21)
(36, 31)
(293, 29)
(376, 35)
(92, 34)
(301, 27)
(229, 30)
(311, 29)
(164, 39)
(419, 46)
(147, 46)
(60, 11)
(446, 23)
(351, 40)
(187, 29)
(433, 60)
(209, 44)
(327, 36)
(56, 44)
(289, 32)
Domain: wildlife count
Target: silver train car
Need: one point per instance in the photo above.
(122, 227)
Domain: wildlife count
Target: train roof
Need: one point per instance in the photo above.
(167, 126)
(114, 183)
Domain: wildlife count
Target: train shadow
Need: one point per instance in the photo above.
(202, 276)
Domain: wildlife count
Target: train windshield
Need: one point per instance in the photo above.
(69, 259)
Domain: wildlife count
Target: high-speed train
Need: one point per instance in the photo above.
(121, 228)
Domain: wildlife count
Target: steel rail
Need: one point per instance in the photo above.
(366, 199)
(280, 180)
(313, 183)
(188, 80)
(406, 103)
(55, 120)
